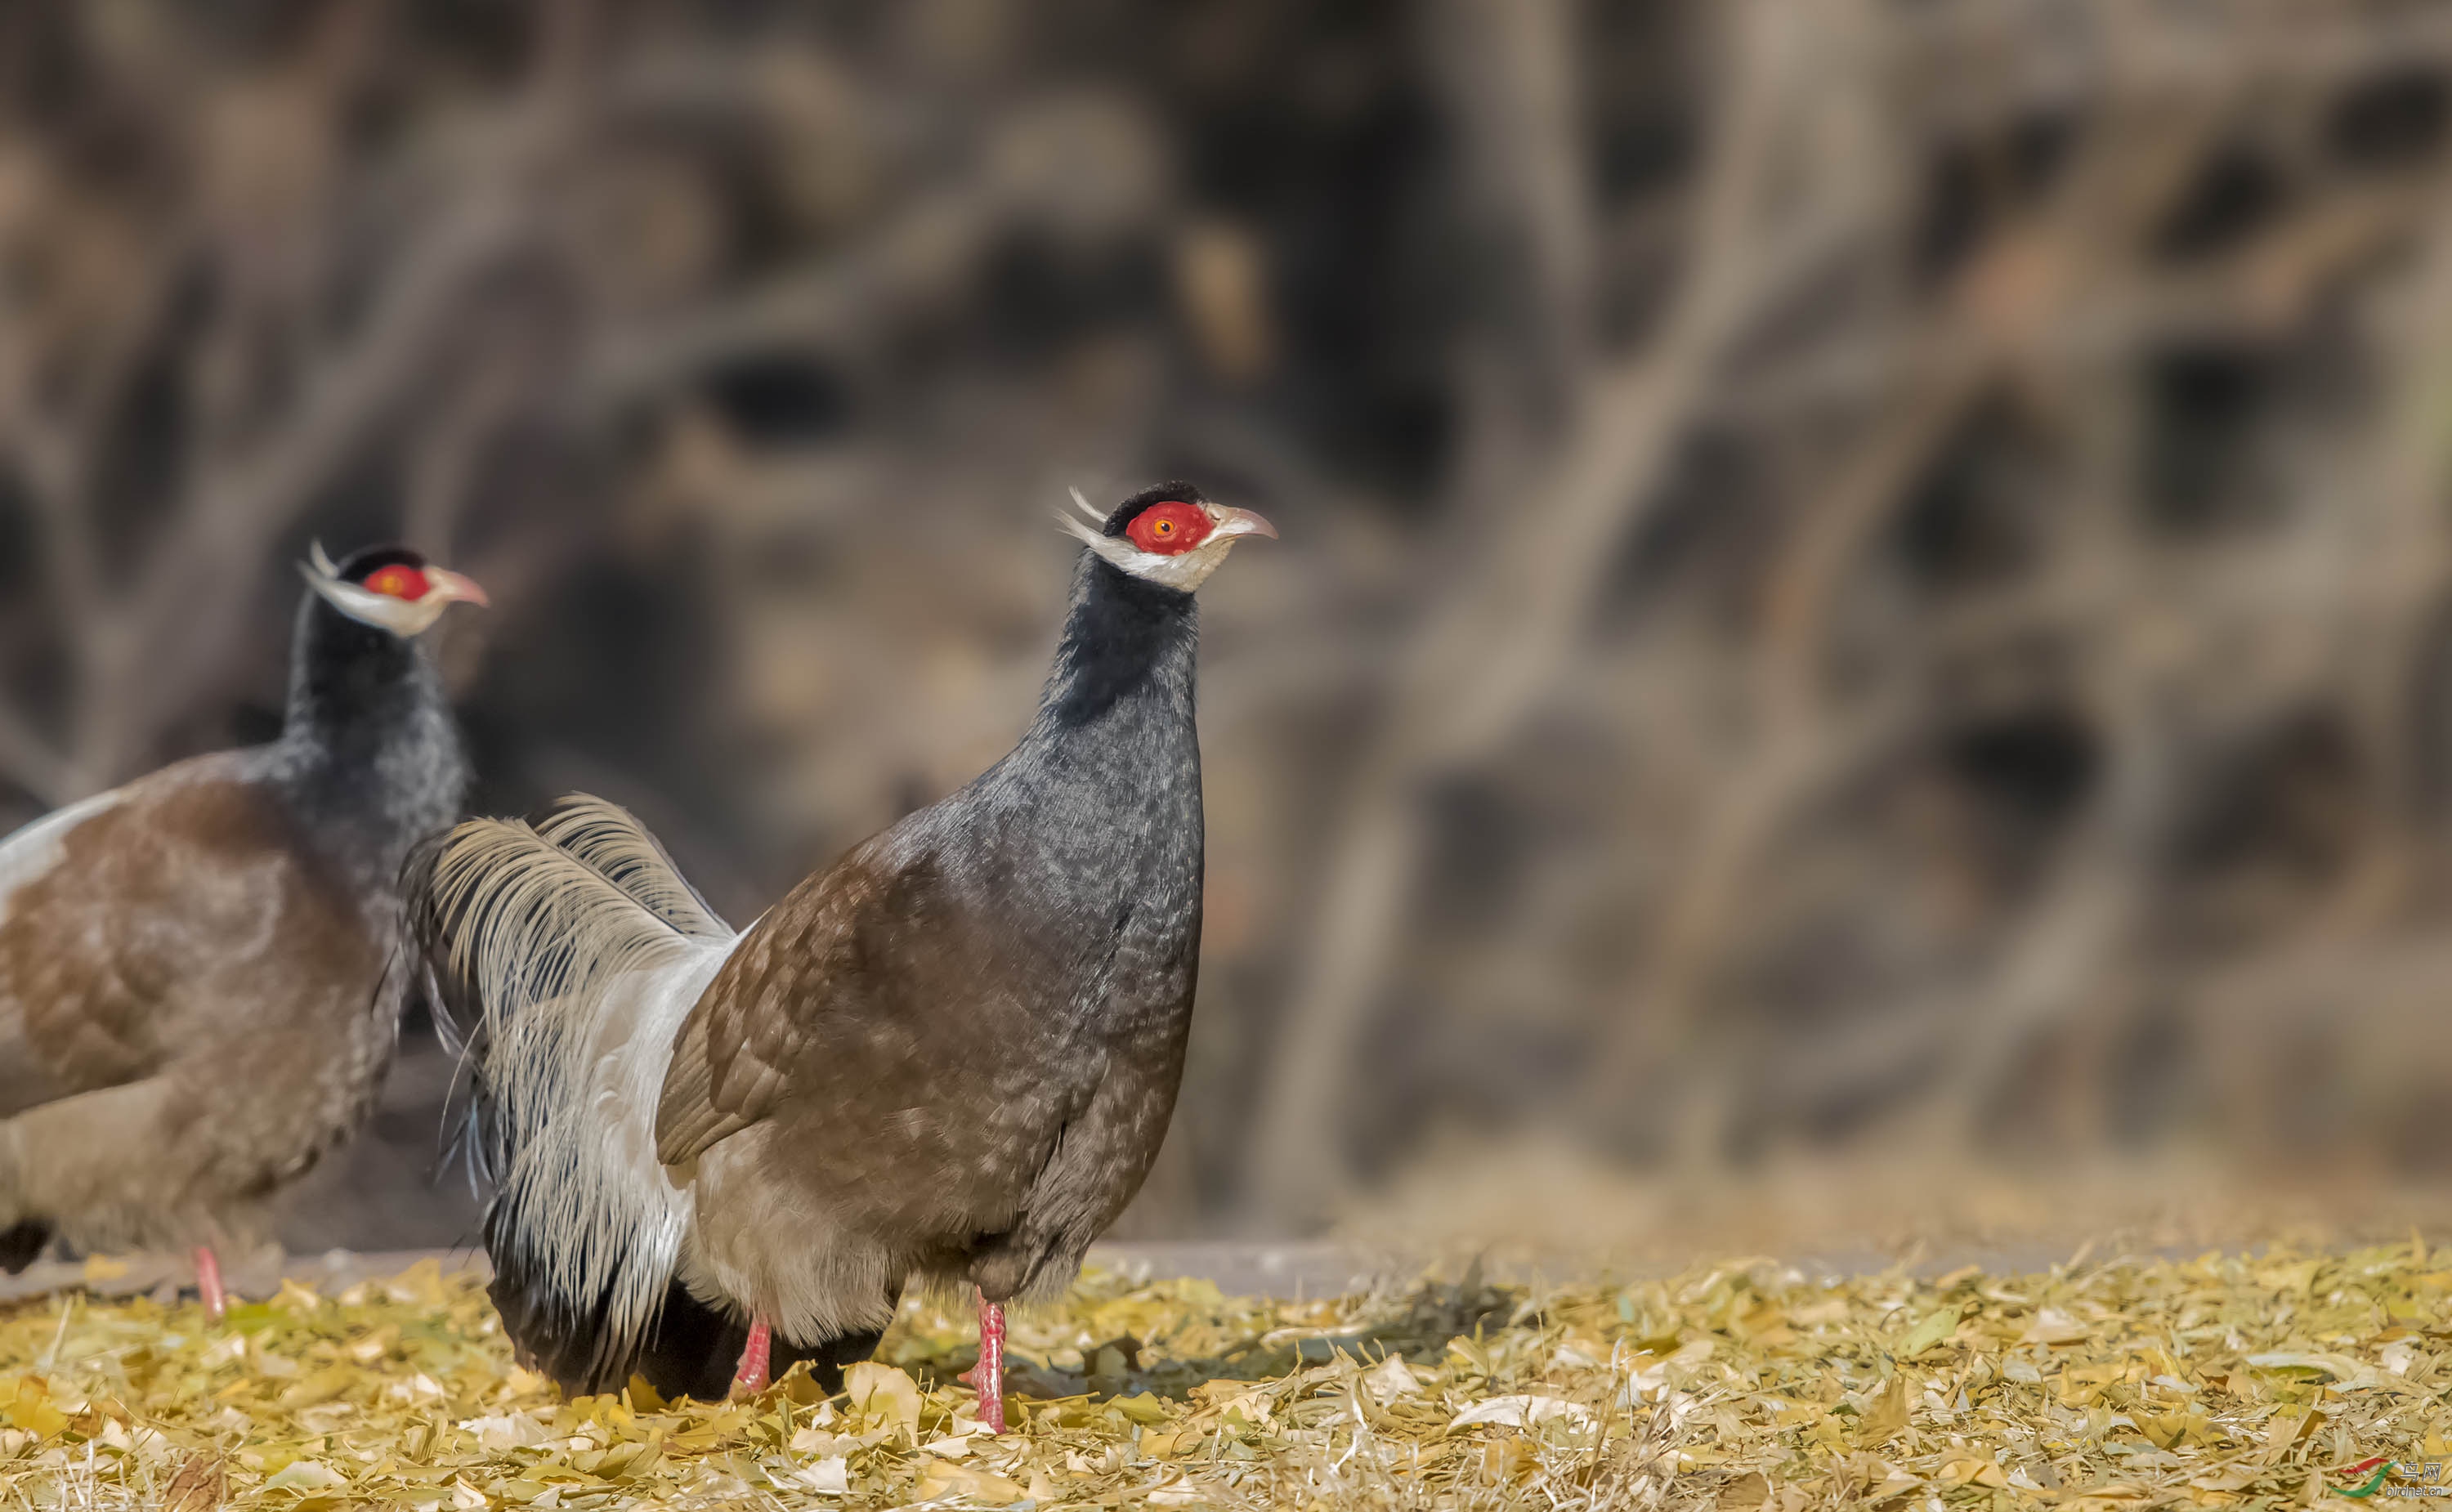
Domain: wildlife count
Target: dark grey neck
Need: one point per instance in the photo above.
(1098, 806)
(1123, 667)
(370, 756)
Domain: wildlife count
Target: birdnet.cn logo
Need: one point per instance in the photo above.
(2382, 1477)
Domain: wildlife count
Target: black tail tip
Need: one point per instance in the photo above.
(24, 1244)
(690, 1351)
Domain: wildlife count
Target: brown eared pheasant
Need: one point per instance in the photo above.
(948, 1058)
(202, 972)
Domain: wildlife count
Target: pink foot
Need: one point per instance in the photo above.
(208, 1282)
(751, 1378)
(987, 1376)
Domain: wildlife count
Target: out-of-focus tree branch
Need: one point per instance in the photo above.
(1487, 650)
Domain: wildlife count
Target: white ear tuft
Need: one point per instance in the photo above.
(321, 562)
(1086, 507)
(1183, 571)
(402, 617)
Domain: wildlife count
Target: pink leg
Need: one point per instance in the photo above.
(987, 1376)
(208, 1282)
(751, 1378)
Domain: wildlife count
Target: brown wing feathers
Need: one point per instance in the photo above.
(175, 939)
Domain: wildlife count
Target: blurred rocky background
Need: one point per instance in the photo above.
(1859, 575)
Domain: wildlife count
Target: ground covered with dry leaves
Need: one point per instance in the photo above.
(2272, 1380)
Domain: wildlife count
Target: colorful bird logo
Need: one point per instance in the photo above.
(2382, 1467)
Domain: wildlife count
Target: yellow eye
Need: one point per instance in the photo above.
(1165, 527)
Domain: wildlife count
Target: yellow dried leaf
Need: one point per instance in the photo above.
(305, 1475)
(2288, 1430)
(1931, 1330)
(1391, 1380)
(324, 1385)
(2340, 1367)
(942, 1479)
(1881, 1418)
(830, 1476)
(1141, 1407)
(2053, 1326)
(35, 1414)
(1968, 1469)
(884, 1394)
(1506, 1459)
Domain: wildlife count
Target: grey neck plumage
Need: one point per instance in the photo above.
(1123, 670)
(369, 755)
(1095, 814)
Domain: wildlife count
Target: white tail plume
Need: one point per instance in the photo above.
(583, 949)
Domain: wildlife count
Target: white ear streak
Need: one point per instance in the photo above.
(1085, 506)
(1184, 571)
(1115, 549)
(322, 563)
(401, 617)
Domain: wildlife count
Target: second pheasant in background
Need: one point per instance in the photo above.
(200, 975)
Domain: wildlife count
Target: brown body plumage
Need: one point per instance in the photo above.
(197, 995)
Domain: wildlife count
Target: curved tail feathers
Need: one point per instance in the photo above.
(568, 949)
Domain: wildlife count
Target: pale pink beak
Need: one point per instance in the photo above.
(1244, 522)
(452, 588)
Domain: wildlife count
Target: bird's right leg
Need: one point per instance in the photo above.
(751, 1378)
(208, 1282)
(987, 1376)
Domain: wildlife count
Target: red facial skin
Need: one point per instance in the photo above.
(1170, 528)
(399, 581)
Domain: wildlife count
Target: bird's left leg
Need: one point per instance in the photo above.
(987, 1376)
(208, 1282)
(752, 1378)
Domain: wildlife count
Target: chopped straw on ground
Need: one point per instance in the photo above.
(2267, 1381)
